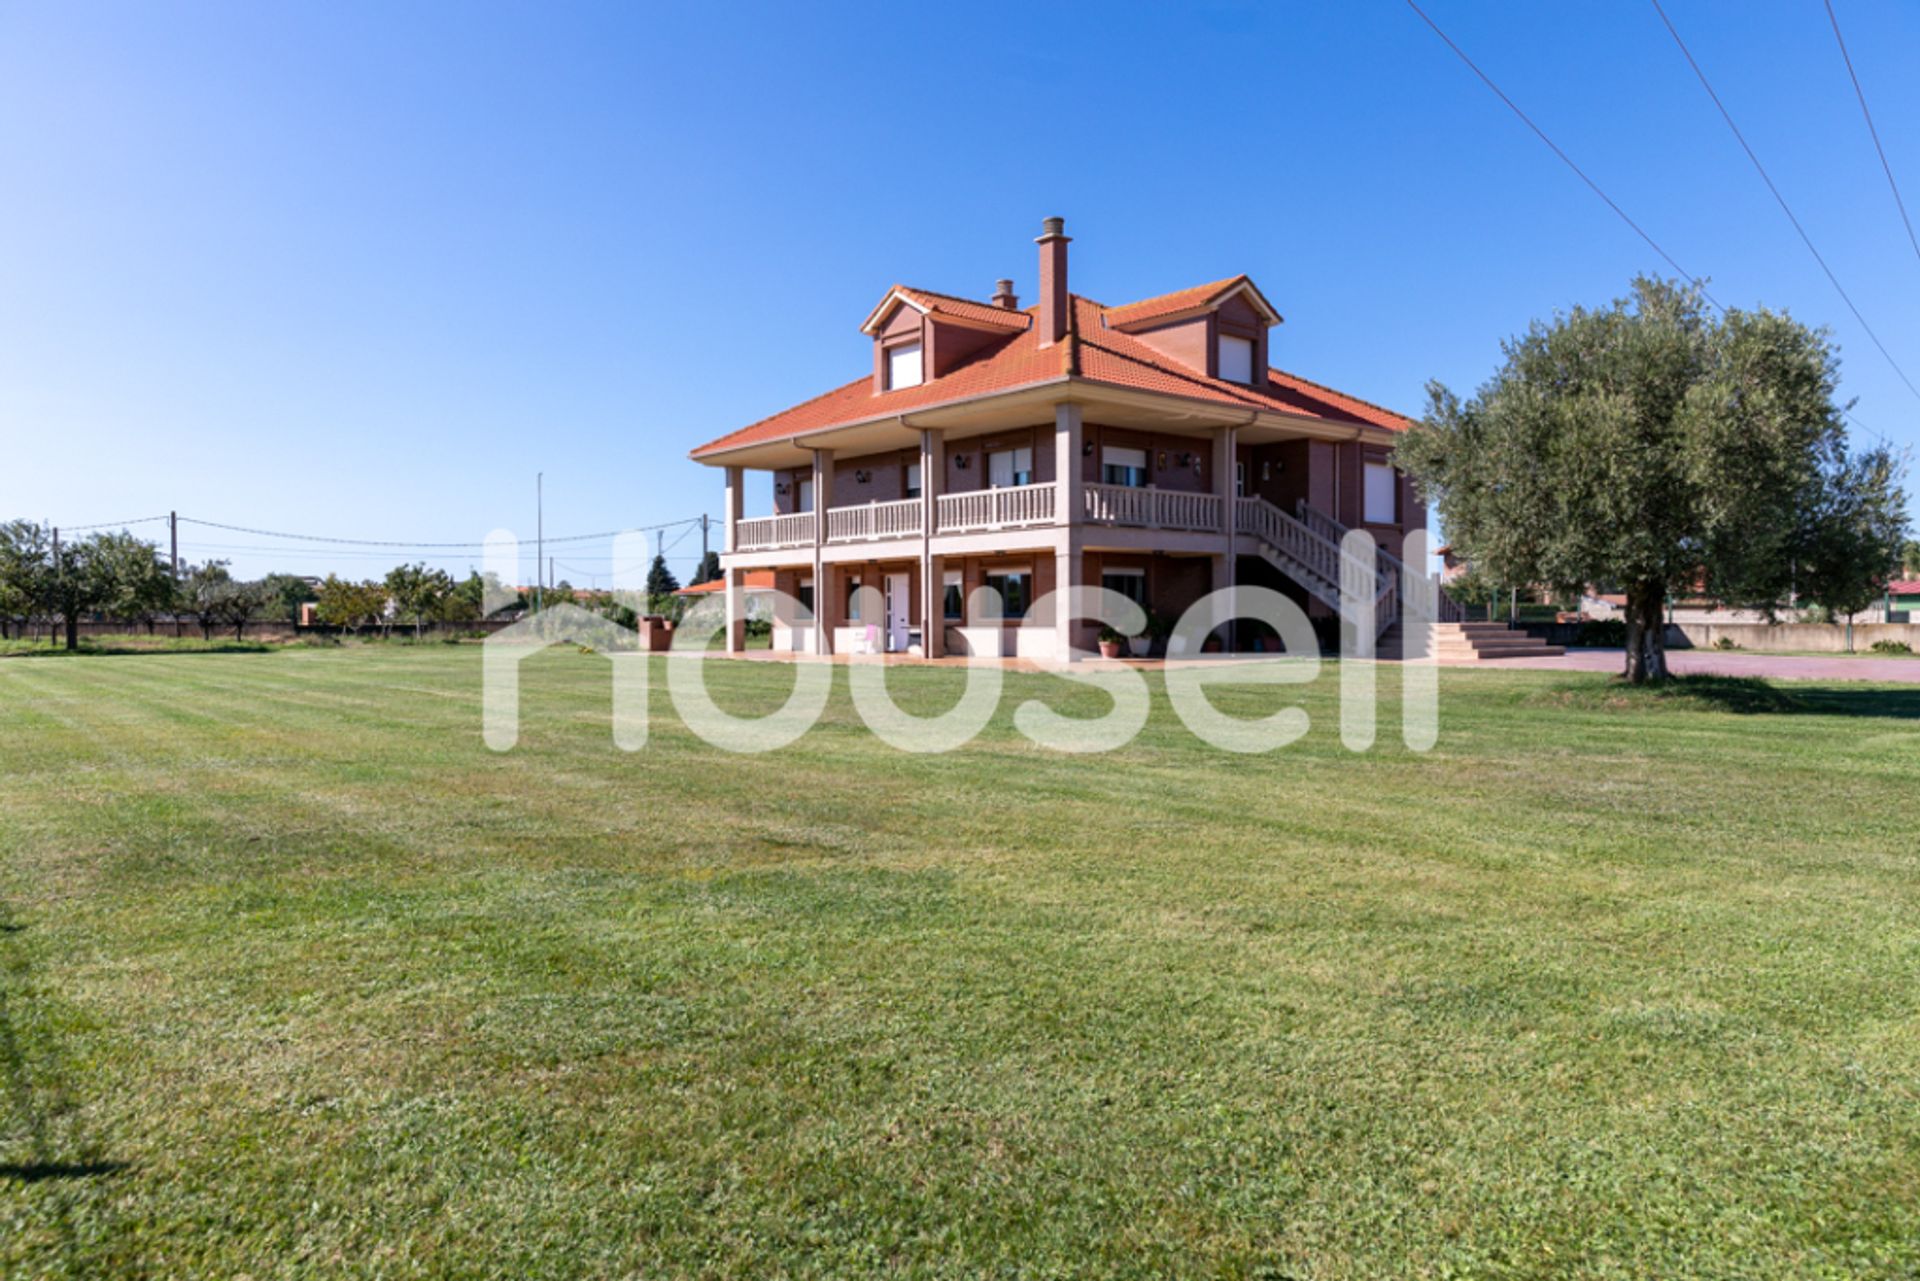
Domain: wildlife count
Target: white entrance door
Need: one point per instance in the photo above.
(896, 613)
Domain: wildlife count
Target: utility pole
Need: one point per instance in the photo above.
(173, 538)
(540, 534)
(704, 553)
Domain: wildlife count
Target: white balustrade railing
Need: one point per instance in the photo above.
(988, 509)
(1149, 508)
(873, 520)
(764, 533)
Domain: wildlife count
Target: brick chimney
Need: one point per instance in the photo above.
(1003, 295)
(1053, 280)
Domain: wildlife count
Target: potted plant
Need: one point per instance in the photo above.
(1142, 645)
(1109, 641)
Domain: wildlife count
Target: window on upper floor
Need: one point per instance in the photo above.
(903, 366)
(1123, 467)
(1007, 467)
(1236, 359)
(1382, 495)
(913, 480)
(803, 499)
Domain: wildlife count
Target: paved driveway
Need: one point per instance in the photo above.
(1712, 662)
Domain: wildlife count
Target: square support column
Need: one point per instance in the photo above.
(822, 612)
(736, 609)
(933, 470)
(1226, 567)
(1068, 433)
(1068, 572)
(736, 499)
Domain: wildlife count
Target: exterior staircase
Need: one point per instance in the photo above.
(1317, 562)
(1458, 643)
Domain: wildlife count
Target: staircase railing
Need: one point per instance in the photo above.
(1448, 610)
(1318, 562)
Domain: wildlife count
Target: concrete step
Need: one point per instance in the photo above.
(1478, 643)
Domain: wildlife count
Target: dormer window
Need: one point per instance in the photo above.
(1236, 359)
(904, 366)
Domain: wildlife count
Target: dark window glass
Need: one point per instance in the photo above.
(1013, 593)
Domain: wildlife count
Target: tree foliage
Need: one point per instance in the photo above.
(341, 603)
(1649, 444)
(660, 579)
(418, 593)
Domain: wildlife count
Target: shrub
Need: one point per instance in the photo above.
(1726, 642)
(1891, 647)
(1601, 633)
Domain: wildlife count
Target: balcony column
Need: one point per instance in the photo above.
(822, 614)
(1068, 433)
(933, 470)
(736, 500)
(1226, 566)
(736, 609)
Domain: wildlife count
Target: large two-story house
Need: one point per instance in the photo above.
(1150, 448)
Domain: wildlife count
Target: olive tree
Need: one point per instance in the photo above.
(1652, 444)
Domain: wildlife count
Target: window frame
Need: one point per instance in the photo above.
(1221, 348)
(1109, 470)
(1024, 596)
(1130, 574)
(1014, 470)
(895, 353)
(1368, 472)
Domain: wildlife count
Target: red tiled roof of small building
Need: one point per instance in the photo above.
(754, 580)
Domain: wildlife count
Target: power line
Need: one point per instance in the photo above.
(1595, 188)
(110, 524)
(1861, 94)
(1565, 159)
(1782, 200)
(375, 542)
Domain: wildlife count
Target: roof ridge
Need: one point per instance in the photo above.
(1207, 285)
(1011, 314)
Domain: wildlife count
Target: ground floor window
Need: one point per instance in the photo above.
(853, 600)
(1131, 583)
(1014, 586)
(804, 594)
(953, 606)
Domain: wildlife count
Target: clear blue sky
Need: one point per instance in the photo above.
(359, 269)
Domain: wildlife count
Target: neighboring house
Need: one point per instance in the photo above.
(1149, 448)
(756, 594)
(1903, 598)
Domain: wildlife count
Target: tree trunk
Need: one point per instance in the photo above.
(1646, 633)
(73, 631)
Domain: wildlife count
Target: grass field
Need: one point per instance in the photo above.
(299, 979)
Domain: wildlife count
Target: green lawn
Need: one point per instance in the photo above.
(300, 979)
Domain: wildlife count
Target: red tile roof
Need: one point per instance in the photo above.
(1904, 587)
(963, 308)
(1199, 296)
(1092, 352)
(757, 580)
